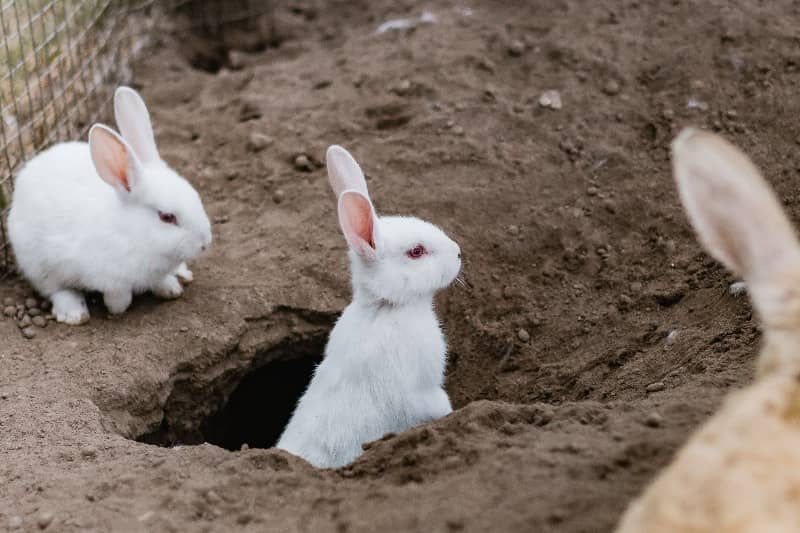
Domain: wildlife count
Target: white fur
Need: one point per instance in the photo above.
(385, 360)
(72, 231)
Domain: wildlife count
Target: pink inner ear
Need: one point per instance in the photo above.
(120, 164)
(358, 223)
(111, 159)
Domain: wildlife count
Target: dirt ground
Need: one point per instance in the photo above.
(571, 231)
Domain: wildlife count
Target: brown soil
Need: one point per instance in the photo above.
(600, 268)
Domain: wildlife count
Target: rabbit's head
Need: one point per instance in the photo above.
(741, 223)
(394, 260)
(165, 209)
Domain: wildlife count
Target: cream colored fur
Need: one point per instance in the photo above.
(740, 472)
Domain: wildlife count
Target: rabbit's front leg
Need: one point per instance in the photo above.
(117, 301)
(168, 288)
(184, 274)
(69, 307)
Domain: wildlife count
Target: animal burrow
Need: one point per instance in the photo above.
(244, 395)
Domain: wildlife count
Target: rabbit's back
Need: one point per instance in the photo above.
(59, 178)
(59, 211)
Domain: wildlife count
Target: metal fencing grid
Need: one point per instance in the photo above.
(60, 61)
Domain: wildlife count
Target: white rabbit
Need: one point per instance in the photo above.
(740, 472)
(106, 216)
(384, 364)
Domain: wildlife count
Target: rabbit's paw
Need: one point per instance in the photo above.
(184, 274)
(69, 307)
(169, 288)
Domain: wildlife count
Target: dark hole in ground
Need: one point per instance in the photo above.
(241, 407)
(261, 405)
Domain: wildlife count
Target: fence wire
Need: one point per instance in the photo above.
(60, 61)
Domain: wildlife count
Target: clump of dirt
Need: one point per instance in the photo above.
(596, 336)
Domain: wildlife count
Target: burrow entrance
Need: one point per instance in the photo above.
(246, 395)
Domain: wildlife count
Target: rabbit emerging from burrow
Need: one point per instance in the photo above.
(740, 472)
(108, 215)
(384, 362)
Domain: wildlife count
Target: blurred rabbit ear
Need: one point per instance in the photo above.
(359, 223)
(133, 121)
(113, 159)
(735, 213)
(343, 172)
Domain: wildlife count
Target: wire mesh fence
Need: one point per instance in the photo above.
(60, 61)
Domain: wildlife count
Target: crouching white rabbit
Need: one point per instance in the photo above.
(107, 216)
(384, 364)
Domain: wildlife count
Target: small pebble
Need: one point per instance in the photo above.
(236, 60)
(34, 311)
(24, 322)
(15, 522)
(516, 48)
(278, 196)
(513, 230)
(184, 329)
(30, 303)
(44, 520)
(523, 335)
(458, 130)
(89, 452)
(672, 336)
(39, 321)
(550, 99)
(592, 191)
(402, 88)
(244, 447)
(654, 420)
(303, 163)
(611, 88)
(10, 311)
(258, 141)
(29, 333)
(249, 111)
(655, 387)
(8, 300)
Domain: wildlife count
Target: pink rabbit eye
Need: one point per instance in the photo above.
(416, 252)
(168, 218)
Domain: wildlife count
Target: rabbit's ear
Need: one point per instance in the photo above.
(359, 223)
(735, 213)
(343, 172)
(113, 159)
(133, 121)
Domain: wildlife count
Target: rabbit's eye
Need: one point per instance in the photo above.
(168, 218)
(416, 252)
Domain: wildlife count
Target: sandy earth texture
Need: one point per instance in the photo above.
(596, 334)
